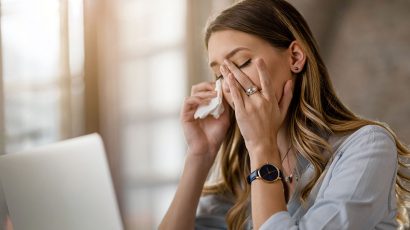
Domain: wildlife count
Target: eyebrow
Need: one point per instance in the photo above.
(230, 54)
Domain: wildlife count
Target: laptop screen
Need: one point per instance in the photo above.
(65, 186)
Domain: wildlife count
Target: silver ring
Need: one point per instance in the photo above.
(251, 90)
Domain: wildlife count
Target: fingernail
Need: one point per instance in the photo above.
(222, 69)
(230, 76)
(229, 79)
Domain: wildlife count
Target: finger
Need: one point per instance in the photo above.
(206, 94)
(193, 102)
(286, 97)
(236, 92)
(243, 80)
(203, 86)
(265, 79)
(225, 72)
(190, 106)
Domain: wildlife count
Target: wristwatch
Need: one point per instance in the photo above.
(267, 172)
(270, 174)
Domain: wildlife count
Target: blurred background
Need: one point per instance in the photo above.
(122, 68)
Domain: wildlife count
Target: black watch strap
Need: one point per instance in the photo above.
(252, 176)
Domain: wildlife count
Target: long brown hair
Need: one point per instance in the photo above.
(314, 114)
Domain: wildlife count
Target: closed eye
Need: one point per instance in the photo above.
(240, 67)
(245, 64)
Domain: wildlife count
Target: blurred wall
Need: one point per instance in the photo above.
(366, 47)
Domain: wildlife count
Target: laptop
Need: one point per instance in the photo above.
(61, 186)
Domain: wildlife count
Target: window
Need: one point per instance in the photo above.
(42, 58)
(156, 38)
(152, 84)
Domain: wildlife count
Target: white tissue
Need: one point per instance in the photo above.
(215, 107)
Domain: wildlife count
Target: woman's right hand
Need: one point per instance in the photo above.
(203, 136)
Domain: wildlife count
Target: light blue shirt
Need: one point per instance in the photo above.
(356, 190)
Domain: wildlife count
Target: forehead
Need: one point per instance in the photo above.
(222, 42)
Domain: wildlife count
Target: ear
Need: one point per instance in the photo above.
(297, 57)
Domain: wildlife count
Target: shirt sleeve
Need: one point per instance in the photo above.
(211, 212)
(358, 193)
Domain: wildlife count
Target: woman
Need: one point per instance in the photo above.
(285, 134)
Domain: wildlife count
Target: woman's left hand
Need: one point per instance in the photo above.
(260, 115)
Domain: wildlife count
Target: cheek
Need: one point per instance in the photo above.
(278, 82)
(278, 92)
(253, 75)
(278, 78)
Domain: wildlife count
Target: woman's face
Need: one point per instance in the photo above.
(243, 49)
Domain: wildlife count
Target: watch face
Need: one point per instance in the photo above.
(269, 172)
